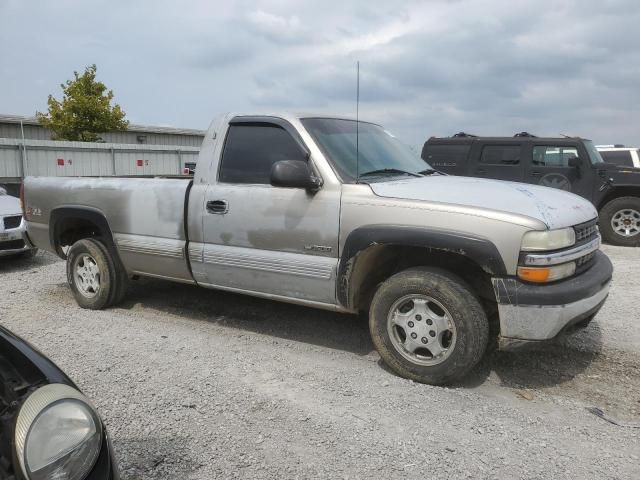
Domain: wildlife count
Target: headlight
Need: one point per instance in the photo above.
(548, 240)
(58, 434)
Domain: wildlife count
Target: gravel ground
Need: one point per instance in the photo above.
(197, 384)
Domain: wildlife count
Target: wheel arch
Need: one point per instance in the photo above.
(72, 223)
(617, 192)
(375, 252)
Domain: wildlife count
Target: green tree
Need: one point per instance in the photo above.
(85, 110)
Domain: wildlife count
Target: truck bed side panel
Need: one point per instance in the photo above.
(146, 217)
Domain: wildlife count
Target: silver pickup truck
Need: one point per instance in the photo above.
(337, 214)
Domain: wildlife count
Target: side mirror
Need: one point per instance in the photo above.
(294, 174)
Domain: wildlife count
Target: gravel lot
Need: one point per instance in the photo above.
(197, 384)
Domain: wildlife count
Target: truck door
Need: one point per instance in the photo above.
(499, 161)
(258, 238)
(565, 167)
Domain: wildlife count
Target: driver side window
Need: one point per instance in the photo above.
(250, 150)
(553, 156)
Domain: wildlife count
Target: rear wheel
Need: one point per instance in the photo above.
(428, 325)
(94, 275)
(620, 221)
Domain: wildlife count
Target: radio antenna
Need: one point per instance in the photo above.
(357, 121)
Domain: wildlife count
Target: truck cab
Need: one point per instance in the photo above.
(567, 163)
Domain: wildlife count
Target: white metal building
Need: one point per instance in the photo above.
(11, 126)
(141, 150)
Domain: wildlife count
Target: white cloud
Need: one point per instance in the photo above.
(427, 67)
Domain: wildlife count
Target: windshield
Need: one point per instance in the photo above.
(594, 154)
(380, 154)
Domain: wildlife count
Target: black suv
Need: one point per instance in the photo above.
(568, 163)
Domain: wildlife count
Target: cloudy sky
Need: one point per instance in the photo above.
(427, 67)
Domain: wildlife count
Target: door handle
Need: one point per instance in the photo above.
(219, 207)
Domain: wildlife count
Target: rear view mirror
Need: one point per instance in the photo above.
(294, 174)
(574, 162)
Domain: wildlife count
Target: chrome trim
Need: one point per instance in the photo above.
(269, 264)
(543, 260)
(149, 248)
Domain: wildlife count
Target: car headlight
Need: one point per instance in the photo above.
(58, 434)
(535, 241)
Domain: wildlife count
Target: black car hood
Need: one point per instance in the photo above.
(623, 171)
(17, 356)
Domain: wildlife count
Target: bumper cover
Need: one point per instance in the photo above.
(531, 312)
(14, 240)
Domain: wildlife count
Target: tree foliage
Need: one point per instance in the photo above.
(85, 110)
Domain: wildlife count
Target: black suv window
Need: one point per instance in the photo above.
(251, 149)
(553, 156)
(500, 154)
(445, 155)
(619, 157)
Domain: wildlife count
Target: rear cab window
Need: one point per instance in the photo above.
(251, 149)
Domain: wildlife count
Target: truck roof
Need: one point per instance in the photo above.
(288, 115)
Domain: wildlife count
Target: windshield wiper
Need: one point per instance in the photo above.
(430, 171)
(393, 171)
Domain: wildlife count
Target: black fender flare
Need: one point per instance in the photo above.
(479, 249)
(91, 214)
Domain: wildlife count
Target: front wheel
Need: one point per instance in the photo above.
(95, 278)
(620, 221)
(428, 325)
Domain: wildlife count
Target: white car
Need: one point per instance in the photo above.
(623, 156)
(13, 238)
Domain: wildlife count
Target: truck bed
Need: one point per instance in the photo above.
(145, 215)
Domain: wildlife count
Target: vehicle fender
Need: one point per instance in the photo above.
(78, 212)
(479, 249)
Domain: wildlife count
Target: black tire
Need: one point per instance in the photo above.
(122, 284)
(606, 215)
(109, 277)
(466, 313)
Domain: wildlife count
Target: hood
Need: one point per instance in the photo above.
(555, 208)
(20, 358)
(9, 205)
(623, 174)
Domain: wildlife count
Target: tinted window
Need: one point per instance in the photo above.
(553, 156)
(445, 155)
(500, 154)
(619, 158)
(250, 151)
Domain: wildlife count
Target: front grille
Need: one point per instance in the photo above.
(583, 263)
(12, 222)
(12, 245)
(587, 231)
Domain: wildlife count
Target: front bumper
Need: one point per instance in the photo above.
(530, 312)
(14, 241)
